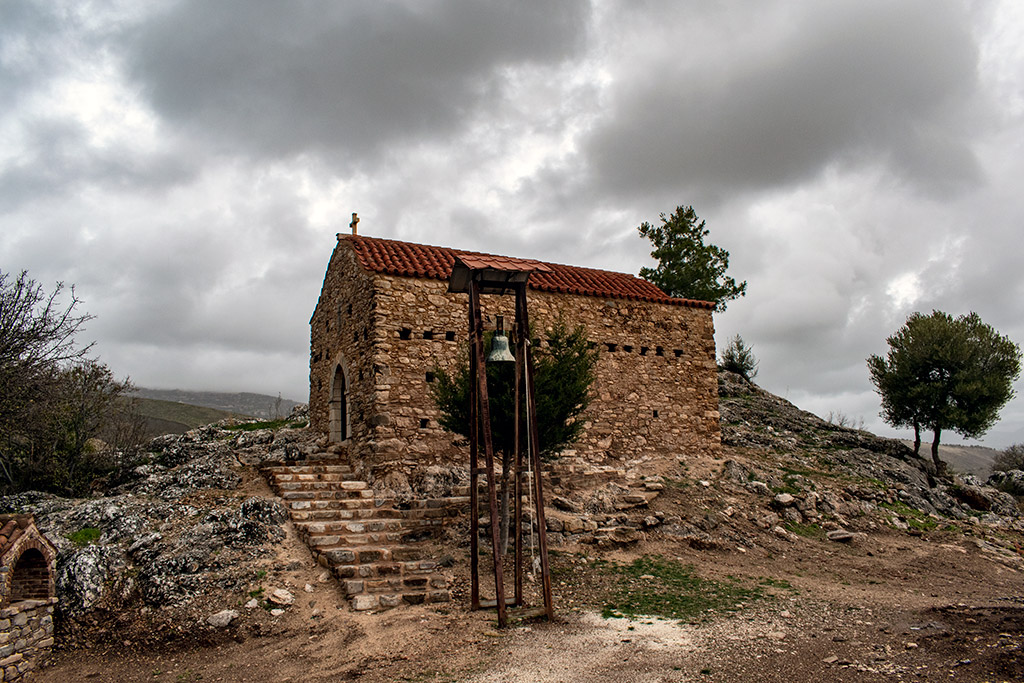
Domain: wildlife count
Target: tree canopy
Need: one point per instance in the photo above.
(53, 399)
(1010, 458)
(739, 358)
(686, 266)
(945, 373)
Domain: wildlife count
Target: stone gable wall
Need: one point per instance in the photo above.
(655, 392)
(342, 331)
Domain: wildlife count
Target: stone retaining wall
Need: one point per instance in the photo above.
(26, 632)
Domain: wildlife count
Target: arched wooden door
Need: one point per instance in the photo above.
(339, 427)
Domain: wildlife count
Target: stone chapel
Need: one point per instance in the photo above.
(385, 321)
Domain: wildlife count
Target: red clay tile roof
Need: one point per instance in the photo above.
(12, 527)
(506, 263)
(419, 260)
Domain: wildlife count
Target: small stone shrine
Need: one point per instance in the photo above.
(26, 595)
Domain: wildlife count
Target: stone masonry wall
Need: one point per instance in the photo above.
(655, 393)
(342, 332)
(26, 631)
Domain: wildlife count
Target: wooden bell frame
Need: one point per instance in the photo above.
(498, 275)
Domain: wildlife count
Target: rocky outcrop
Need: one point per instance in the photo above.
(173, 534)
(754, 418)
(809, 471)
(1011, 482)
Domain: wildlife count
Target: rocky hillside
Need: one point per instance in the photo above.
(194, 546)
(798, 453)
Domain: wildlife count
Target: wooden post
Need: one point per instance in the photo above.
(518, 473)
(474, 437)
(485, 429)
(523, 324)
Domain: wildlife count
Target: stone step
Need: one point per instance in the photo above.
(331, 556)
(364, 506)
(326, 494)
(323, 468)
(279, 479)
(381, 569)
(430, 503)
(354, 485)
(353, 540)
(432, 513)
(313, 514)
(370, 544)
(367, 601)
(362, 526)
(394, 584)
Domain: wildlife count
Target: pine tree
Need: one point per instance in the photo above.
(686, 266)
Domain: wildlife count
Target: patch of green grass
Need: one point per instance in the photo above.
(787, 487)
(267, 424)
(776, 583)
(915, 518)
(85, 536)
(655, 586)
(807, 529)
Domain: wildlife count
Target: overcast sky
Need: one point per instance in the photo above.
(187, 163)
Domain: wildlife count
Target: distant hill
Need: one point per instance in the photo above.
(240, 404)
(976, 460)
(172, 417)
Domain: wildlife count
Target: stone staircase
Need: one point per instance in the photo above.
(373, 547)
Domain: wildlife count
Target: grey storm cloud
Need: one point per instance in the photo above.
(57, 159)
(31, 32)
(841, 83)
(187, 163)
(344, 80)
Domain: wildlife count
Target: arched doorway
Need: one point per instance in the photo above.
(30, 579)
(339, 421)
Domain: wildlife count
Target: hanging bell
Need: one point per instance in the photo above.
(499, 345)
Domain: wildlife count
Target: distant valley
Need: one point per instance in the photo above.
(244, 403)
(976, 460)
(173, 411)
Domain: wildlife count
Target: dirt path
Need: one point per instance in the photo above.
(891, 607)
